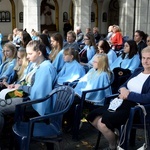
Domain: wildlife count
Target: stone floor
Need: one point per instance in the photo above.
(87, 140)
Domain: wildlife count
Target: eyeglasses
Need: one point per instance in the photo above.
(18, 58)
(86, 39)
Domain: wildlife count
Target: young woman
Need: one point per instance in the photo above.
(129, 59)
(89, 49)
(97, 77)
(39, 81)
(135, 90)
(20, 67)
(9, 61)
(71, 70)
(148, 41)
(57, 44)
(140, 39)
(43, 38)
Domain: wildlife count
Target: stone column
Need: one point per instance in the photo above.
(31, 15)
(82, 14)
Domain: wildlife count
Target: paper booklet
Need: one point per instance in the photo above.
(4, 92)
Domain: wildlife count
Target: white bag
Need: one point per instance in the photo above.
(144, 147)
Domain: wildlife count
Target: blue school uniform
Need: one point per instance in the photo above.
(6, 68)
(43, 81)
(70, 72)
(43, 84)
(93, 80)
(58, 61)
(90, 52)
(126, 63)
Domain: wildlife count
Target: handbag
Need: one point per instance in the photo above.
(144, 146)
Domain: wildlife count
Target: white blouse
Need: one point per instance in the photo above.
(136, 83)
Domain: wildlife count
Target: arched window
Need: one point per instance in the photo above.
(5, 16)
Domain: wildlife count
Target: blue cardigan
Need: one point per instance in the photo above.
(144, 97)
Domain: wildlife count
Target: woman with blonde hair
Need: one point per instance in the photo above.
(19, 69)
(9, 61)
(99, 76)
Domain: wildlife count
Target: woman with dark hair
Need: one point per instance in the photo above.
(56, 44)
(43, 38)
(89, 49)
(25, 38)
(140, 39)
(129, 59)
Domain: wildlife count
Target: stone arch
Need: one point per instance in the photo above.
(113, 12)
(13, 14)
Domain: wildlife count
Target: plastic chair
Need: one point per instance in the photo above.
(79, 109)
(130, 125)
(46, 128)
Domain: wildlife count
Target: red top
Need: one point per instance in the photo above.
(116, 39)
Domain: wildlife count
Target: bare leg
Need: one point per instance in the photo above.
(108, 134)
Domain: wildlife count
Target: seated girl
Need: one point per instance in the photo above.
(129, 59)
(9, 61)
(98, 77)
(89, 49)
(20, 67)
(39, 82)
(71, 70)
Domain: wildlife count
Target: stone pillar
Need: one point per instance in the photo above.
(82, 14)
(31, 15)
(126, 17)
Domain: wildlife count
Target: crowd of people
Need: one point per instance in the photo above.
(35, 63)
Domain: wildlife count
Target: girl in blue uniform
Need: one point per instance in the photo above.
(9, 61)
(39, 81)
(129, 59)
(98, 77)
(89, 49)
(71, 70)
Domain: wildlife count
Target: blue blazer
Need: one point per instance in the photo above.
(144, 97)
(93, 80)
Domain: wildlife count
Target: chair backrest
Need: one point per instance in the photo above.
(63, 98)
